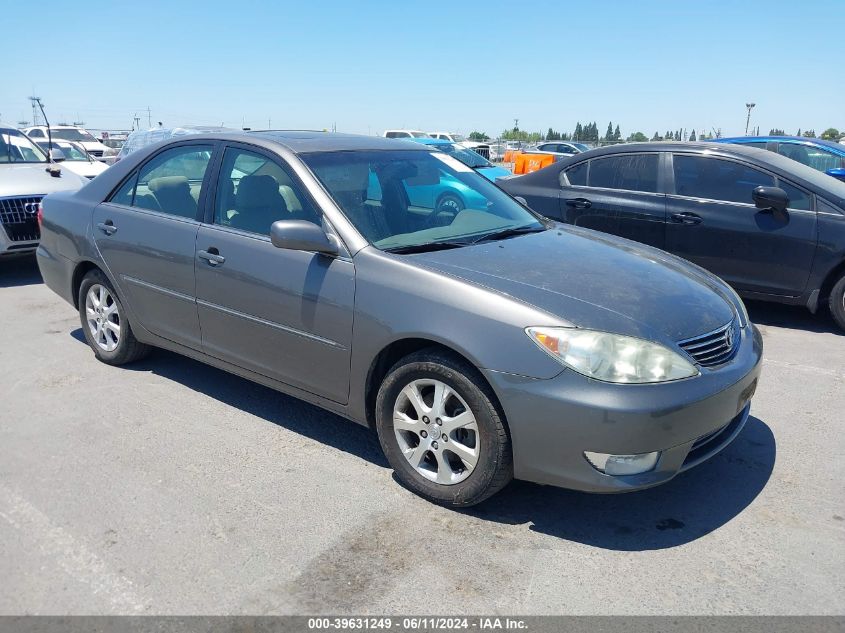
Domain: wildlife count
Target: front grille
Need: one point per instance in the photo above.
(713, 348)
(484, 150)
(19, 218)
(708, 445)
(95, 152)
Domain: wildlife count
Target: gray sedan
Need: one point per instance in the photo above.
(481, 344)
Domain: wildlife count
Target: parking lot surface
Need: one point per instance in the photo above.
(169, 487)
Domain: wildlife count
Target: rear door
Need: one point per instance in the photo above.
(620, 194)
(713, 222)
(146, 234)
(284, 314)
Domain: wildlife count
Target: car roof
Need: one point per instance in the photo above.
(304, 141)
(808, 140)
(431, 141)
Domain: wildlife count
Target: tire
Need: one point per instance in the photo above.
(104, 322)
(837, 302)
(460, 457)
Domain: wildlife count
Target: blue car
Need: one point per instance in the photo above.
(825, 156)
(450, 196)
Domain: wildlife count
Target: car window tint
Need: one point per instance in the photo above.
(126, 192)
(37, 133)
(716, 179)
(758, 144)
(815, 157)
(798, 198)
(634, 172)
(253, 191)
(822, 206)
(576, 175)
(171, 181)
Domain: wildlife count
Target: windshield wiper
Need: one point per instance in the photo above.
(509, 232)
(424, 248)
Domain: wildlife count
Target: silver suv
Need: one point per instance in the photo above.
(26, 176)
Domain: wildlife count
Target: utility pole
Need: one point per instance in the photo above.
(36, 101)
(516, 124)
(149, 117)
(748, 119)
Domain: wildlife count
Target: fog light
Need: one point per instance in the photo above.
(622, 464)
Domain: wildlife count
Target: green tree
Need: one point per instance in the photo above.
(637, 137)
(656, 137)
(776, 132)
(810, 133)
(692, 136)
(608, 136)
(830, 134)
(617, 135)
(579, 132)
(478, 136)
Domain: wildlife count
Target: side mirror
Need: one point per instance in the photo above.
(838, 173)
(300, 235)
(770, 199)
(57, 155)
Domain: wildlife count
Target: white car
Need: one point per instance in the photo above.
(458, 139)
(71, 133)
(405, 134)
(74, 158)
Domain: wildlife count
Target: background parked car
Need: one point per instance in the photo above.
(74, 157)
(405, 134)
(141, 138)
(560, 149)
(468, 157)
(458, 139)
(26, 176)
(771, 227)
(71, 133)
(819, 154)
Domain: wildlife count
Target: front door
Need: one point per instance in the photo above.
(281, 313)
(146, 234)
(713, 222)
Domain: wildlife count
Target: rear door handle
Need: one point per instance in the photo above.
(686, 218)
(579, 203)
(107, 227)
(213, 258)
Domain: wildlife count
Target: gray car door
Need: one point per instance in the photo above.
(146, 234)
(619, 194)
(284, 314)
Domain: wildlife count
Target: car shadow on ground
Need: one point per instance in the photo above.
(19, 271)
(682, 510)
(794, 317)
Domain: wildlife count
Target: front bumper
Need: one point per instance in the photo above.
(552, 422)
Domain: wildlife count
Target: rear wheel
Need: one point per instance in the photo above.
(441, 431)
(837, 302)
(104, 322)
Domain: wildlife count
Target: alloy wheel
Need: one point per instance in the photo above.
(103, 317)
(436, 431)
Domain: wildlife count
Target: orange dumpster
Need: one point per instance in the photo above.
(528, 163)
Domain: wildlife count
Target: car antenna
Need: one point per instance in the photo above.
(52, 168)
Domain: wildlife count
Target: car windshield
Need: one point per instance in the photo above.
(581, 146)
(420, 135)
(71, 151)
(15, 147)
(466, 156)
(405, 200)
(457, 138)
(72, 134)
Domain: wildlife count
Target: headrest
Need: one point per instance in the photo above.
(168, 183)
(255, 191)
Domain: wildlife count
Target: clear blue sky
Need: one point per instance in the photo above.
(457, 65)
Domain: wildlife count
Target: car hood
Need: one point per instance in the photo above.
(596, 281)
(32, 179)
(492, 172)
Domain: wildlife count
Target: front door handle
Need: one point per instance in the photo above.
(107, 227)
(686, 218)
(579, 203)
(212, 256)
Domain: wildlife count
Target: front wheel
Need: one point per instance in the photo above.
(837, 302)
(441, 431)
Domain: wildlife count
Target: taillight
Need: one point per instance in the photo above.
(40, 215)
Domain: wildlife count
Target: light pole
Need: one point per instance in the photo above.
(748, 119)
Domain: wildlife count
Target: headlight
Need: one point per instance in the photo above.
(611, 357)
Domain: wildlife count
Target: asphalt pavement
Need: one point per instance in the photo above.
(169, 487)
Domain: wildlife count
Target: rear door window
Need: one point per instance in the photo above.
(717, 179)
(632, 172)
(576, 175)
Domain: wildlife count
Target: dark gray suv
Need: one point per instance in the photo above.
(481, 344)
